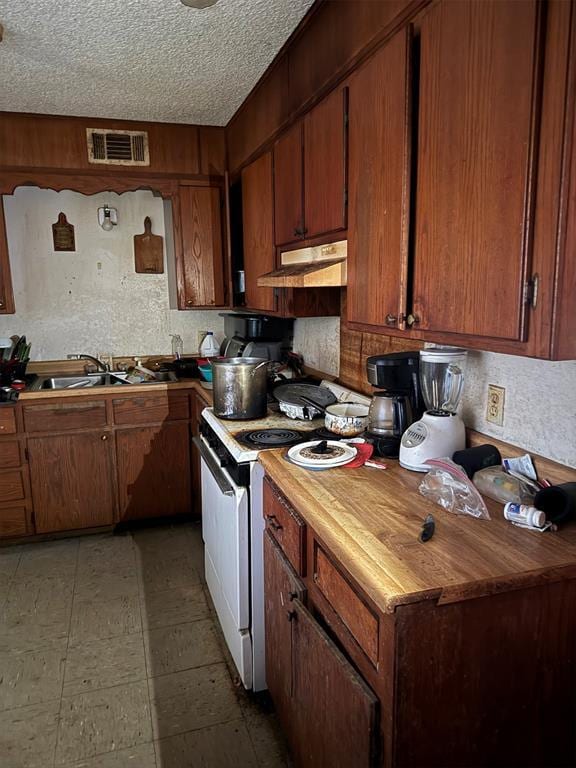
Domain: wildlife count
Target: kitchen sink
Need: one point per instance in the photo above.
(90, 380)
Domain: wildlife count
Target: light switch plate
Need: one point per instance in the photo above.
(495, 406)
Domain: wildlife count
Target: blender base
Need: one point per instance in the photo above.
(437, 435)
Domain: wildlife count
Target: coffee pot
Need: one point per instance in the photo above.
(389, 416)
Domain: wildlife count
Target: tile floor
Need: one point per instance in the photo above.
(110, 656)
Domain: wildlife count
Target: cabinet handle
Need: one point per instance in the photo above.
(391, 319)
(291, 615)
(297, 232)
(273, 522)
(1, 304)
(189, 302)
(412, 320)
(104, 437)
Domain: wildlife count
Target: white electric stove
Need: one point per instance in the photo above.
(233, 527)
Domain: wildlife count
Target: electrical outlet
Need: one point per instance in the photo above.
(495, 406)
(200, 338)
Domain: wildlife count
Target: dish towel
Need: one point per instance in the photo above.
(365, 451)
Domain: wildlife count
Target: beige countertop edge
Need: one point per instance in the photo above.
(124, 389)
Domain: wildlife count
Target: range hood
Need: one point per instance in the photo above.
(316, 267)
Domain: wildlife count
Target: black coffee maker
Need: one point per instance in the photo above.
(397, 404)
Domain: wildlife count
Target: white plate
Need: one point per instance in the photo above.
(300, 454)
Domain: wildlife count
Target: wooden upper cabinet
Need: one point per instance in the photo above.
(288, 186)
(325, 149)
(478, 125)
(310, 173)
(258, 231)
(6, 292)
(200, 264)
(379, 186)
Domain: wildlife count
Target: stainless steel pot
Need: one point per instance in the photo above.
(239, 387)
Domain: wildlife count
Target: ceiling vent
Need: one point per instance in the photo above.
(117, 147)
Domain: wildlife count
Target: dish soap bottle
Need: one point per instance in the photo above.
(209, 348)
(177, 346)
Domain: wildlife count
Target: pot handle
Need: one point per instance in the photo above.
(253, 371)
(313, 403)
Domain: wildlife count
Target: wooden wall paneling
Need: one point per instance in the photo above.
(325, 165)
(289, 186)
(200, 267)
(6, 291)
(475, 166)
(331, 41)
(258, 231)
(212, 150)
(379, 186)
(59, 142)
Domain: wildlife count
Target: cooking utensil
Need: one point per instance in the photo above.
(345, 419)
(292, 402)
(149, 251)
(239, 385)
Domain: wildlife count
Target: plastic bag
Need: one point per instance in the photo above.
(500, 486)
(448, 485)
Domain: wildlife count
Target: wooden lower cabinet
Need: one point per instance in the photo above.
(154, 476)
(72, 478)
(328, 712)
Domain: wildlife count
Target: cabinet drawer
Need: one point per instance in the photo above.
(355, 614)
(12, 486)
(13, 521)
(7, 421)
(64, 416)
(286, 526)
(150, 409)
(9, 454)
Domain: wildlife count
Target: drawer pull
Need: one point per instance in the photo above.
(273, 522)
(291, 615)
(104, 437)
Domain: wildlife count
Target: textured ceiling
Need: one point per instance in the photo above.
(139, 59)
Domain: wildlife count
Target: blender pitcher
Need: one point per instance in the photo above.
(440, 432)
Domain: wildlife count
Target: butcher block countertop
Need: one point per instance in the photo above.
(371, 519)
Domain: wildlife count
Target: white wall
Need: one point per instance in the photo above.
(318, 340)
(540, 400)
(90, 300)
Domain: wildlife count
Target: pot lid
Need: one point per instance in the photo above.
(292, 394)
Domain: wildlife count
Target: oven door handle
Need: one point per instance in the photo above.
(215, 470)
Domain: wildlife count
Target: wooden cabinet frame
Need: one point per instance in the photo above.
(168, 189)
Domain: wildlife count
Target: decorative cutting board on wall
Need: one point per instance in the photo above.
(63, 234)
(149, 251)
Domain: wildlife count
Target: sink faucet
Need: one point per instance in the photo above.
(98, 363)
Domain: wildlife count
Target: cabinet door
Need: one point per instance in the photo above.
(258, 231)
(379, 184)
(281, 587)
(325, 148)
(6, 293)
(200, 267)
(337, 713)
(72, 478)
(154, 471)
(288, 186)
(477, 132)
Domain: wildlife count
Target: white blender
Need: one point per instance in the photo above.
(440, 432)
